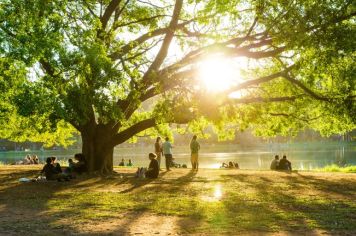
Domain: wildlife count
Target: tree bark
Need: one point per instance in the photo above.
(97, 150)
(99, 141)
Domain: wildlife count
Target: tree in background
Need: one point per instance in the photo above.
(116, 69)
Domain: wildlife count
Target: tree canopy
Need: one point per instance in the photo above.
(116, 68)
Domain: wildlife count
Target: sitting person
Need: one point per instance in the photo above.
(153, 169)
(284, 164)
(231, 165)
(56, 165)
(51, 173)
(80, 166)
(70, 167)
(31, 160)
(35, 159)
(27, 160)
(236, 165)
(129, 163)
(275, 163)
(122, 163)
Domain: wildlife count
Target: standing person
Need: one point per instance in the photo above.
(167, 152)
(194, 148)
(158, 150)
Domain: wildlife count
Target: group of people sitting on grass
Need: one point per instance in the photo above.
(52, 170)
(230, 165)
(29, 160)
(122, 163)
(282, 164)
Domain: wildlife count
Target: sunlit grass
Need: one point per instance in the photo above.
(336, 168)
(220, 202)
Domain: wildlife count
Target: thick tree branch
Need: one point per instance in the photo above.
(118, 12)
(108, 12)
(260, 80)
(222, 48)
(131, 131)
(140, 40)
(261, 99)
(166, 84)
(307, 120)
(162, 53)
(137, 21)
(305, 89)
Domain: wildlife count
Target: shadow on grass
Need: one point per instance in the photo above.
(64, 207)
(286, 205)
(120, 203)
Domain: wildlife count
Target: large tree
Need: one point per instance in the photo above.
(115, 68)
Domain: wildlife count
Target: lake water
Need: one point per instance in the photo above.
(304, 156)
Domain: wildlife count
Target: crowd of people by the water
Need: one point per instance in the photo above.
(282, 164)
(53, 171)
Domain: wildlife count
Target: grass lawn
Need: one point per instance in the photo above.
(209, 202)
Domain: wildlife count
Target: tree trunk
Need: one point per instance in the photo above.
(97, 152)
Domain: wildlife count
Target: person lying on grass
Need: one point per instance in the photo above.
(51, 173)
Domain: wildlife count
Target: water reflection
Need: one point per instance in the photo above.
(303, 157)
(214, 166)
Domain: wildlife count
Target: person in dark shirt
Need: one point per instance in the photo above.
(122, 163)
(153, 169)
(56, 165)
(284, 164)
(81, 165)
(51, 173)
